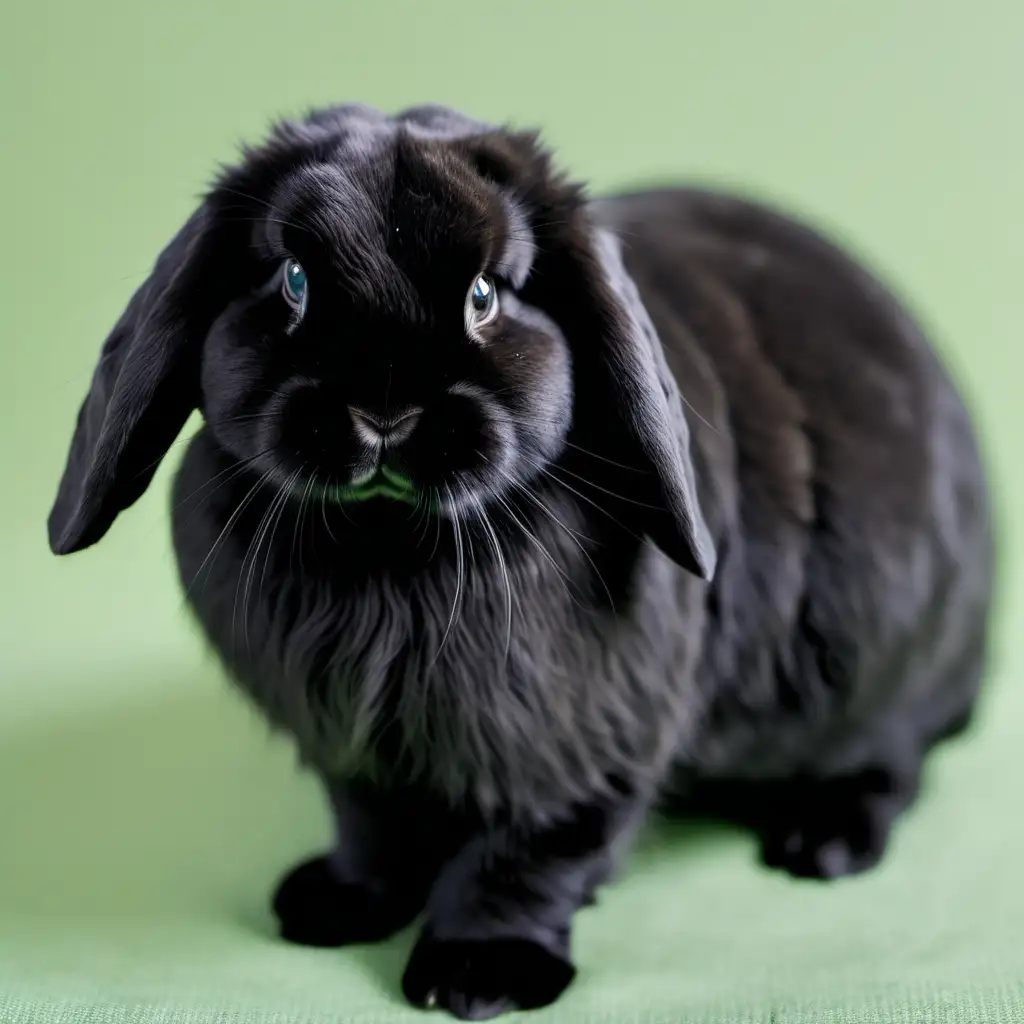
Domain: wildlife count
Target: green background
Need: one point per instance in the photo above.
(144, 810)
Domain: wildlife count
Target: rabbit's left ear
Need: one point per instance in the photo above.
(620, 368)
(145, 385)
(652, 409)
(618, 348)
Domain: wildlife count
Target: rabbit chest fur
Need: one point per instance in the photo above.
(499, 676)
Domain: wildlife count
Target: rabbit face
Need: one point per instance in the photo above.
(390, 311)
(385, 352)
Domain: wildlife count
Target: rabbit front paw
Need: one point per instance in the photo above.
(479, 979)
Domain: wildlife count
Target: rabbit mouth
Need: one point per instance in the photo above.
(384, 483)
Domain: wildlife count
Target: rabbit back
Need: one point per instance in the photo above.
(840, 475)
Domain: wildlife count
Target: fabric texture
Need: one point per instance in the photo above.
(145, 811)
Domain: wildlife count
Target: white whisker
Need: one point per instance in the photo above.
(323, 513)
(589, 483)
(222, 536)
(268, 525)
(482, 518)
(460, 567)
(571, 533)
(299, 522)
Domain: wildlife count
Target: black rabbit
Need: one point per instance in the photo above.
(523, 513)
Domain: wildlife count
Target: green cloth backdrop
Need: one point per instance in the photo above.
(144, 809)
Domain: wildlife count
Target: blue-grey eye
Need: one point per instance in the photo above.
(481, 302)
(294, 286)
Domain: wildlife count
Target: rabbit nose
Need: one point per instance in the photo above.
(384, 429)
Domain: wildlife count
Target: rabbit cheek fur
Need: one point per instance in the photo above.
(496, 684)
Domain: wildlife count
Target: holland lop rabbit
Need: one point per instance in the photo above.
(522, 513)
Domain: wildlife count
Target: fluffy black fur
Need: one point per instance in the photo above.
(766, 599)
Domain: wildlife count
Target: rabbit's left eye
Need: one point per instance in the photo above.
(481, 303)
(294, 286)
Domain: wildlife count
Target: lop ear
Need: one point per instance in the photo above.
(620, 353)
(579, 276)
(144, 388)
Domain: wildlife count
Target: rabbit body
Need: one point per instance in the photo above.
(728, 549)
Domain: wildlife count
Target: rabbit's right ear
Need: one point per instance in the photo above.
(145, 385)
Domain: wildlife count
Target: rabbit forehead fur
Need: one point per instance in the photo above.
(389, 197)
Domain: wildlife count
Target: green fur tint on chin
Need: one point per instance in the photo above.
(385, 483)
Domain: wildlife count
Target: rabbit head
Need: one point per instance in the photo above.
(411, 309)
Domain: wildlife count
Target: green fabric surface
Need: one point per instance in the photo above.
(145, 812)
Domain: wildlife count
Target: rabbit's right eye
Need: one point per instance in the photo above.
(294, 286)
